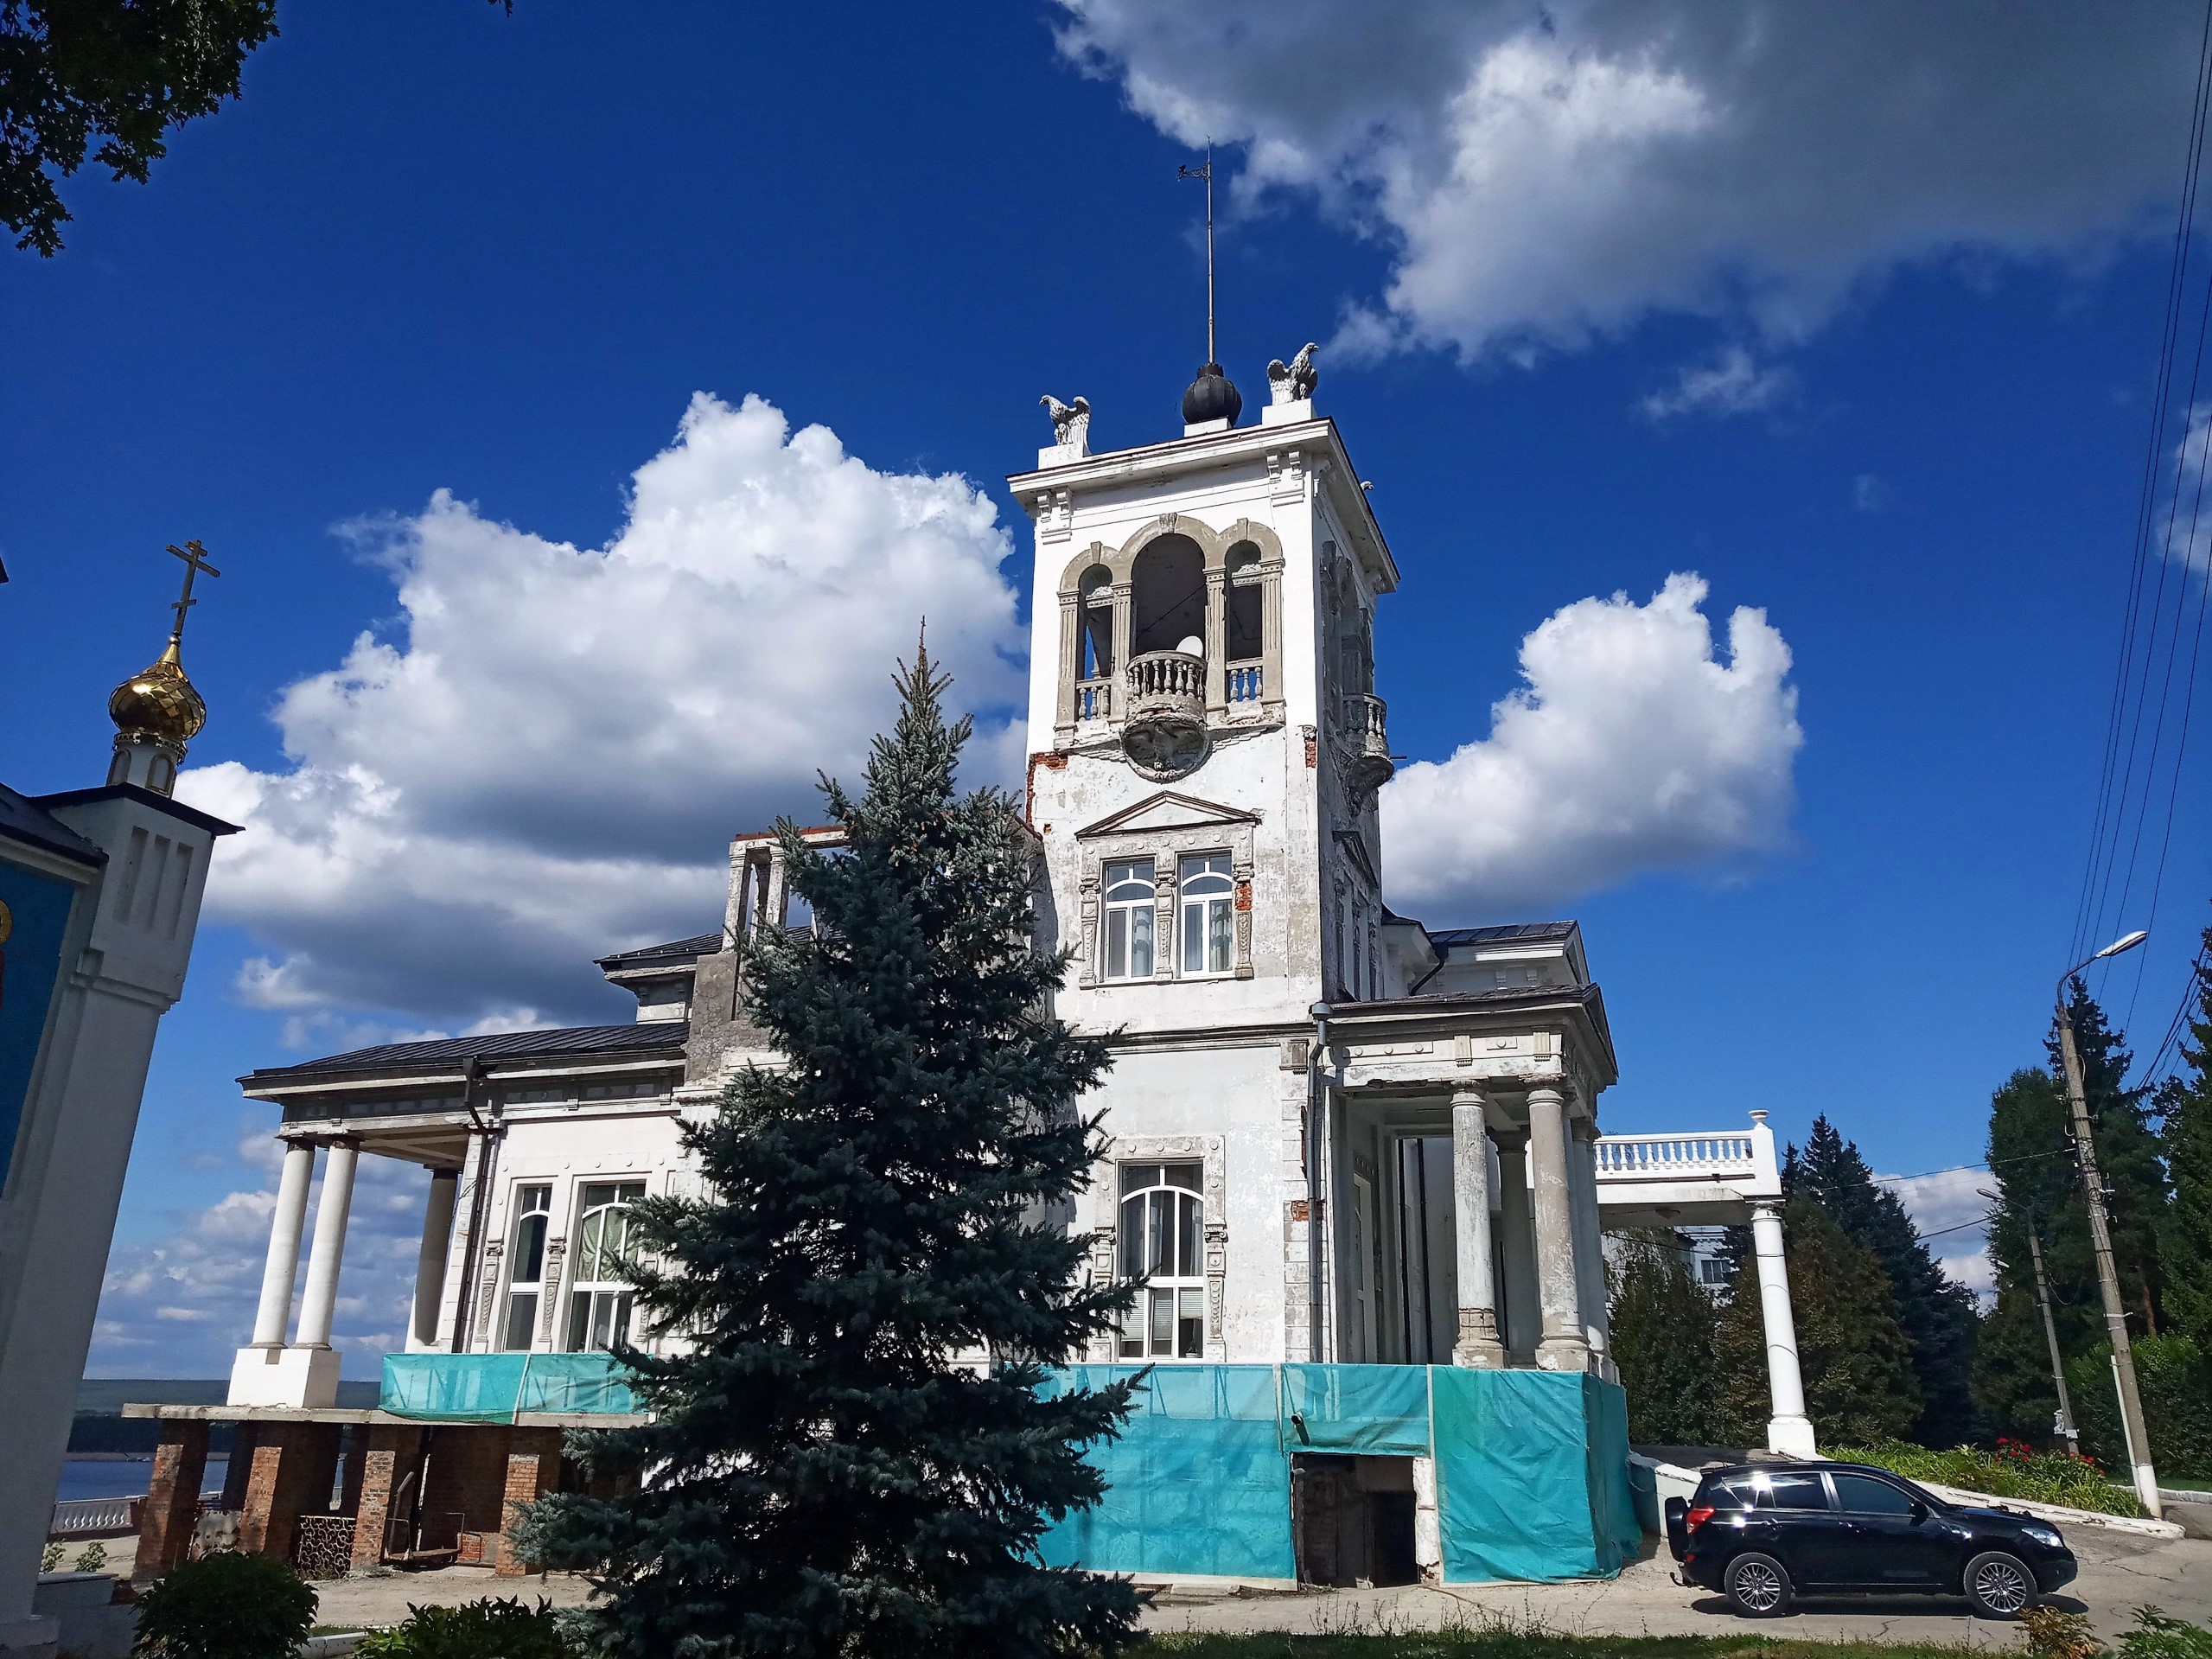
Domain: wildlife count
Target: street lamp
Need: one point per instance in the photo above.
(2065, 1424)
(2131, 1402)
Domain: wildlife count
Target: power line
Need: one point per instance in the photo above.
(2152, 647)
(2161, 409)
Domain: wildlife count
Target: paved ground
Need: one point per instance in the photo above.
(2119, 1573)
(368, 1602)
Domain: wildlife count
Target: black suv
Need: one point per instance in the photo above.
(1760, 1533)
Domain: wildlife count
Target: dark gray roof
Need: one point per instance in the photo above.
(144, 797)
(674, 954)
(22, 818)
(644, 1039)
(1443, 938)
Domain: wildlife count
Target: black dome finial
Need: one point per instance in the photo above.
(1212, 396)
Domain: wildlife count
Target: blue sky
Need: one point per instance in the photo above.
(1885, 376)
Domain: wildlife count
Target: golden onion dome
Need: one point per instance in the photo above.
(159, 702)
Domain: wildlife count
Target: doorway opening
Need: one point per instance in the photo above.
(1352, 1520)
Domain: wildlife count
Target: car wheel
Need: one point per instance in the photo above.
(1757, 1585)
(2000, 1585)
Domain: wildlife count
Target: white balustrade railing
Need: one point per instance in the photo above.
(91, 1517)
(1675, 1157)
(1246, 682)
(1365, 722)
(1166, 674)
(1094, 699)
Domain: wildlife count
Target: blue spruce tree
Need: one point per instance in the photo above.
(828, 1470)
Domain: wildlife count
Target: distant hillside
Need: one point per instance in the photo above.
(101, 1426)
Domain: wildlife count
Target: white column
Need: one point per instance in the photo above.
(429, 1262)
(1564, 1347)
(1589, 1241)
(1517, 1246)
(1789, 1431)
(320, 1296)
(276, 1310)
(1477, 1343)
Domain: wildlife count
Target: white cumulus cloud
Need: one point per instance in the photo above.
(543, 759)
(1542, 174)
(1630, 747)
(1948, 1209)
(181, 1304)
(1734, 383)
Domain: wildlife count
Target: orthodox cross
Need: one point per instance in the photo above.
(1206, 172)
(195, 560)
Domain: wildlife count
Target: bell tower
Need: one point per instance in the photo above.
(1206, 741)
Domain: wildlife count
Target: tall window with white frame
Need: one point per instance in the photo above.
(1163, 1235)
(526, 1266)
(599, 1297)
(1129, 920)
(1205, 890)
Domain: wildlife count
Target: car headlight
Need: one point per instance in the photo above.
(2047, 1536)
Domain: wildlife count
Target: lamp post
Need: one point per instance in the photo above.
(2065, 1424)
(2131, 1402)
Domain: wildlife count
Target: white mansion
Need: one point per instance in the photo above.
(1336, 1134)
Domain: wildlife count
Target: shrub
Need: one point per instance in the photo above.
(49, 1559)
(227, 1606)
(2011, 1470)
(2047, 1633)
(501, 1628)
(2157, 1637)
(2175, 1384)
(92, 1558)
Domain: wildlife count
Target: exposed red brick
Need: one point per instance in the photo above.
(172, 1505)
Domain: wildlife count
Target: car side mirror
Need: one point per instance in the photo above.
(1919, 1512)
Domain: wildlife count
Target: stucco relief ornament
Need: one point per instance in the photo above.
(1294, 382)
(1071, 422)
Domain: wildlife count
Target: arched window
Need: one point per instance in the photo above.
(526, 1266)
(1129, 920)
(1161, 1243)
(1204, 891)
(1243, 640)
(1094, 609)
(1166, 596)
(599, 1297)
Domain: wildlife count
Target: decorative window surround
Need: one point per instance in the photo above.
(1105, 1201)
(1163, 827)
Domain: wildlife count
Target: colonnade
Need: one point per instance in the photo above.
(1549, 1249)
(318, 1299)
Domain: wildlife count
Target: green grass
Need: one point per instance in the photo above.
(2076, 1483)
(1506, 1640)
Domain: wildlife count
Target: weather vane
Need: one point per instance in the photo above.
(1206, 172)
(195, 560)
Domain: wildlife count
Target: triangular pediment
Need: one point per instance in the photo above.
(1167, 810)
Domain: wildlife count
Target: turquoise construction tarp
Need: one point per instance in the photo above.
(1199, 1476)
(1532, 1475)
(1532, 1467)
(494, 1387)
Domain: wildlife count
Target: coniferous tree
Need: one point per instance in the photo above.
(1850, 1349)
(2185, 1106)
(2127, 1155)
(1936, 1313)
(1661, 1322)
(824, 1475)
(2039, 1188)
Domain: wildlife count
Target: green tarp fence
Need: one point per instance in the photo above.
(1532, 1467)
(495, 1387)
